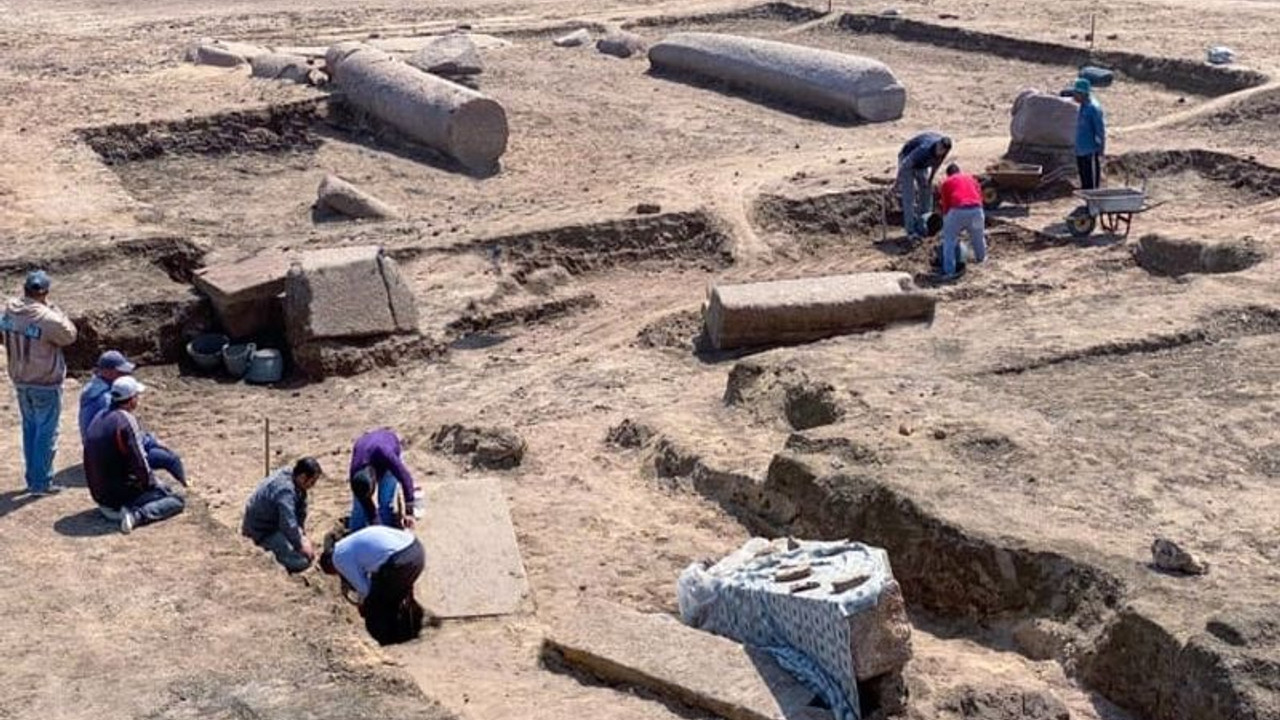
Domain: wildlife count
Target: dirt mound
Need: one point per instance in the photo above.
(1002, 703)
(680, 331)
(630, 434)
(1259, 109)
(331, 358)
(783, 390)
(1161, 255)
(491, 448)
(840, 214)
(1254, 181)
(767, 11)
(274, 129)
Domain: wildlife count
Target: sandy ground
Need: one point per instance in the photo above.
(1095, 454)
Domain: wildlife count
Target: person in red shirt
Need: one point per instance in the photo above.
(961, 207)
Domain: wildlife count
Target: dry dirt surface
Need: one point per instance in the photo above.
(1071, 401)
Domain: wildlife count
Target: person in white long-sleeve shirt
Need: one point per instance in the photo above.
(381, 564)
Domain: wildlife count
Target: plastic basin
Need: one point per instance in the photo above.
(206, 350)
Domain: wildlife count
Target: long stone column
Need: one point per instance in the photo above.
(832, 82)
(453, 119)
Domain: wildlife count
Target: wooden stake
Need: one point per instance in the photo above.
(1093, 30)
(266, 447)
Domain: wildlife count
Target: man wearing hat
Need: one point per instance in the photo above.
(96, 399)
(1091, 135)
(115, 465)
(34, 334)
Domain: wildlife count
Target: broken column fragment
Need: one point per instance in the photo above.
(247, 295)
(848, 86)
(806, 309)
(448, 117)
(339, 196)
(292, 68)
(829, 612)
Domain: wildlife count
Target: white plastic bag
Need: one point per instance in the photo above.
(696, 593)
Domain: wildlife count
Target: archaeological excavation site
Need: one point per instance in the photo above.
(700, 422)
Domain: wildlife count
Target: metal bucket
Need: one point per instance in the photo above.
(206, 350)
(265, 367)
(236, 358)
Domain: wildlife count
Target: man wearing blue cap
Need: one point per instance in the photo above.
(34, 334)
(95, 399)
(1091, 135)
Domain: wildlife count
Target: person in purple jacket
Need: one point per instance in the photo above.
(376, 461)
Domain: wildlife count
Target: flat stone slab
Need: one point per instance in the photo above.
(806, 309)
(255, 278)
(660, 654)
(474, 567)
(347, 292)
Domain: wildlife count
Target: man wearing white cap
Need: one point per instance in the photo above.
(34, 333)
(115, 465)
(95, 399)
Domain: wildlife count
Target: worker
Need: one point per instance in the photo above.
(275, 515)
(378, 452)
(115, 466)
(1091, 135)
(961, 207)
(381, 564)
(918, 162)
(35, 332)
(364, 510)
(96, 399)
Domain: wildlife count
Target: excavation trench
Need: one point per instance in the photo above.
(1045, 604)
(1175, 74)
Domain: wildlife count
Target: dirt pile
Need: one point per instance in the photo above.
(1174, 257)
(1253, 181)
(783, 390)
(488, 448)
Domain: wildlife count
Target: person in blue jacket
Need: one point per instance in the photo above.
(1091, 135)
(95, 399)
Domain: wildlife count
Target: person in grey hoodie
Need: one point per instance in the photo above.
(35, 333)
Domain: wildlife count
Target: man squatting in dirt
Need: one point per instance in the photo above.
(376, 461)
(960, 202)
(275, 515)
(95, 399)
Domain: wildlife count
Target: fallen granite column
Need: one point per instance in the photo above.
(845, 85)
(453, 119)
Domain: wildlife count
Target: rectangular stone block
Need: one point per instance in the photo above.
(844, 618)
(351, 292)
(807, 309)
(246, 294)
(657, 653)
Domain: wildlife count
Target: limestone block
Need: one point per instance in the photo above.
(346, 199)
(246, 294)
(223, 53)
(1043, 119)
(453, 119)
(824, 80)
(620, 43)
(788, 311)
(293, 68)
(343, 293)
(578, 37)
(454, 54)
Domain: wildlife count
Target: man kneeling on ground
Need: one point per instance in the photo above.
(115, 465)
(381, 564)
(276, 514)
(95, 399)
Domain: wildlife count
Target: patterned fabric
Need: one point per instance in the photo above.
(762, 596)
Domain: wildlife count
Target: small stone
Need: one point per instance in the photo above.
(939, 434)
(805, 586)
(577, 38)
(1169, 556)
(648, 209)
(621, 44)
(790, 574)
(839, 585)
(892, 12)
(905, 429)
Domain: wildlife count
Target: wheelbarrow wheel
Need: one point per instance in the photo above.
(1081, 222)
(991, 196)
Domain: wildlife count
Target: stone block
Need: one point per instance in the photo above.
(802, 310)
(449, 55)
(842, 622)
(577, 38)
(657, 653)
(1043, 119)
(339, 196)
(342, 293)
(246, 294)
